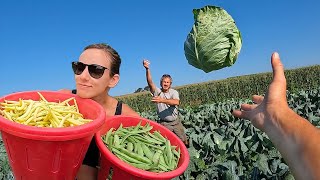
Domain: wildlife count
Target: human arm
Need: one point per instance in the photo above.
(172, 102)
(151, 85)
(126, 110)
(67, 91)
(295, 137)
(172, 99)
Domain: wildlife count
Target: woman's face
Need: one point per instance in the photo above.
(89, 87)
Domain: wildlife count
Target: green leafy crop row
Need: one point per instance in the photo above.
(225, 147)
(235, 87)
(5, 170)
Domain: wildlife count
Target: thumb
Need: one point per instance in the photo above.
(277, 67)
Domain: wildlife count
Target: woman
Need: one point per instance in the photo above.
(96, 72)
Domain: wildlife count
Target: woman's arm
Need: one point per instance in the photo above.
(126, 110)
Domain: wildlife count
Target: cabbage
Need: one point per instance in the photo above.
(214, 41)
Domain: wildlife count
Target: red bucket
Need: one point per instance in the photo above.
(124, 171)
(49, 153)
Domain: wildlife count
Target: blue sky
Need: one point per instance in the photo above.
(39, 39)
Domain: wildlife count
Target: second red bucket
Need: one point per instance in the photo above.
(124, 171)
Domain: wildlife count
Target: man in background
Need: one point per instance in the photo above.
(167, 100)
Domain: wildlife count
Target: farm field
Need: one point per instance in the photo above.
(239, 87)
(225, 147)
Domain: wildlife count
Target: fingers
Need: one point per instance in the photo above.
(245, 111)
(277, 67)
(154, 99)
(240, 114)
(237, 113)
(146, 61)
(248, 107)
(257, 99)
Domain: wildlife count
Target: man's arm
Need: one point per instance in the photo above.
(295, 137)
(171, 102)
(174, 100)
(298, 142)
(151, 85)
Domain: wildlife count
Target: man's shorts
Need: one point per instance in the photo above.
(176, 127)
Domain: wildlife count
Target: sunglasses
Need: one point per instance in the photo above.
(95, 71)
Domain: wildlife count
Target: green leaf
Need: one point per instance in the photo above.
(201, 176)
(289, 177)
(262, 164)
(244, 148)
(217, 138)
(193, 152)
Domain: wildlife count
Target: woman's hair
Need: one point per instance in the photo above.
(116, 60)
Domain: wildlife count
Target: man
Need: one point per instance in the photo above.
(167, 100)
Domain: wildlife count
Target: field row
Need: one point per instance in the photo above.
(225, 147)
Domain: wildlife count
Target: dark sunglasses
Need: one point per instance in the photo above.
(95, 71)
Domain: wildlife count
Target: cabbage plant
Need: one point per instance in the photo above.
(214, 41)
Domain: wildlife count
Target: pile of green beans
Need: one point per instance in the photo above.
(137, 146)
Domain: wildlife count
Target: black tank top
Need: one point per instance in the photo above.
(92, 156)
(118, 108)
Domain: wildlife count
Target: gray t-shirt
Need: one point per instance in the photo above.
(165, 111)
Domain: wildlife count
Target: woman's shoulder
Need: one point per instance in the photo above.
(68, 91)
(128, 111)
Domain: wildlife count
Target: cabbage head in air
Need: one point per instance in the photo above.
(214, 41)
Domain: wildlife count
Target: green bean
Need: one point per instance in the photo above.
(125, 156)
(175, 162)
(139, 149)
(134, 155)
(157, 133)
(168, 153)
(116, 141)
(119, 130)
(147, 151)
(106, 137)
(137, 146)
(176, 153)
(130, 146)
(155, 137)
(141, 166)
(163, 168)
(162, 161)
(156, 157)
(145, 140)
(130, 139)
(136, 128)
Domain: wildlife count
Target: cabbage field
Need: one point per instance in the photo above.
(5, 172)
(225, 147)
